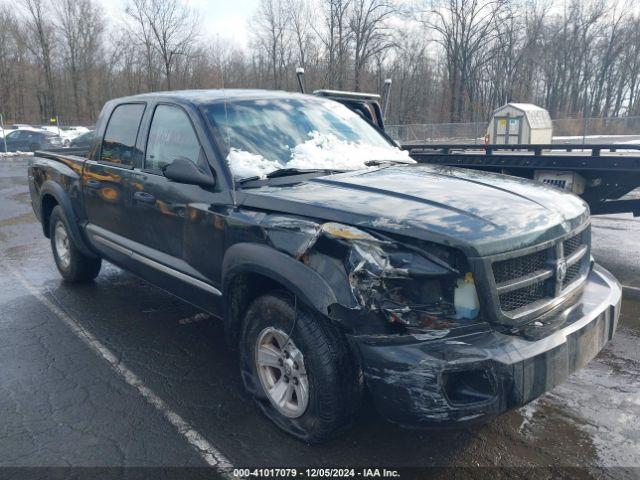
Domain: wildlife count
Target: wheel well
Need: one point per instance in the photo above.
(48, 204)
(243, 289)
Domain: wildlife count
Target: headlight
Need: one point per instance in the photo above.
(430, 302)
(346, 232)
(421, 285)
(405, 285)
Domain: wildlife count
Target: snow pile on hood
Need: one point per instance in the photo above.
(246, 164)
(320, 151)
(328, 151)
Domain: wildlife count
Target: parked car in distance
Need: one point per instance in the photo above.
(82, 141)
(30, 140)
(66, 133)
(335, 262)
(15, 126)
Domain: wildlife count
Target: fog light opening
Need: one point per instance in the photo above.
(469, 386)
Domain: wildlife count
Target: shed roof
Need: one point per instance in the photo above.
(537, 117)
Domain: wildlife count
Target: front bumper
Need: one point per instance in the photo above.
(478, 375)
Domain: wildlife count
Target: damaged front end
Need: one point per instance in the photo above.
(387, 286)
(429, 355)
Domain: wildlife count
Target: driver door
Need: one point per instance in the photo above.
(158, 205)
(165, 212)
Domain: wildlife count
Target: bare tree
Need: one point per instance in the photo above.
(370, 34)
(632, 65)
(336, 38)
(302, 31)
(271, 27)
(167, 27)
(6, 46)
(577, 58)
(466, 30)
(80, 26)
(39, 41)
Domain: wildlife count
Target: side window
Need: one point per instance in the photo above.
(170, 136)
(15, 135)
(119, 143)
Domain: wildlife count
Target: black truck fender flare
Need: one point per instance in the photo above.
(295, 276)
(62, 198)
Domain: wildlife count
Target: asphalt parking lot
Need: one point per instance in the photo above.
(119, 373)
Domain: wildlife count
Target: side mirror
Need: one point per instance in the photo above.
(183, 170)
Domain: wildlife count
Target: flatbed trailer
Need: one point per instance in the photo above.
(602, 174)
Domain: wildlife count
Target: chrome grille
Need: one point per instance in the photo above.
(531, 280)
(521, 297)
(573, 272)
(572, 244)
(520, 266)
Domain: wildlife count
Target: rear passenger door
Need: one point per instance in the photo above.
(105, 178)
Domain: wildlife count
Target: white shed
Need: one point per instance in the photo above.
(522, 123)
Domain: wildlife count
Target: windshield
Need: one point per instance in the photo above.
(264, 135)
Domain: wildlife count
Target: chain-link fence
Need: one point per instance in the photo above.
(438, 132)
(565, 130)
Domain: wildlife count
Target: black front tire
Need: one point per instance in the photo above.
(77, 267)
(333, 376)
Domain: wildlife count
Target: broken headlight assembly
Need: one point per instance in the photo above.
(409, 285)
(417, 286)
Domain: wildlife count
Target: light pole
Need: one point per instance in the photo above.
(4, 138)
(387, 96)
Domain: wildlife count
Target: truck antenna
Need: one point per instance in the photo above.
(300, 75)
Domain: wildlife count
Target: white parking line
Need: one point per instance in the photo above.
(629, 287)
(207, 451)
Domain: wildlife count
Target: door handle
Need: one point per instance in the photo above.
(144, 197)
(93, 184)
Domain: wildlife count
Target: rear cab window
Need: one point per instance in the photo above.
(119, 143)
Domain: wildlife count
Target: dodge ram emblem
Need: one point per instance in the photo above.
(561, 270)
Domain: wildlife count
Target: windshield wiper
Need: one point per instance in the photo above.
(248, 179)
(256, 181)
(286, 172)
(375, 163)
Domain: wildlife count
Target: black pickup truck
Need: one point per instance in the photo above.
(337, 264)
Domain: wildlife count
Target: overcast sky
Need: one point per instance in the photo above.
(226, 18)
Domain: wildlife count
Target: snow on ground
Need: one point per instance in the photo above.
(594, 137)
(14, 154)
(320, 151)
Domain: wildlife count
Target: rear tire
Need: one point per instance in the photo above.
(72, 264)
(33, 147)
(319, 361)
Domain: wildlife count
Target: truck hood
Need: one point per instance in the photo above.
(478, 212)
